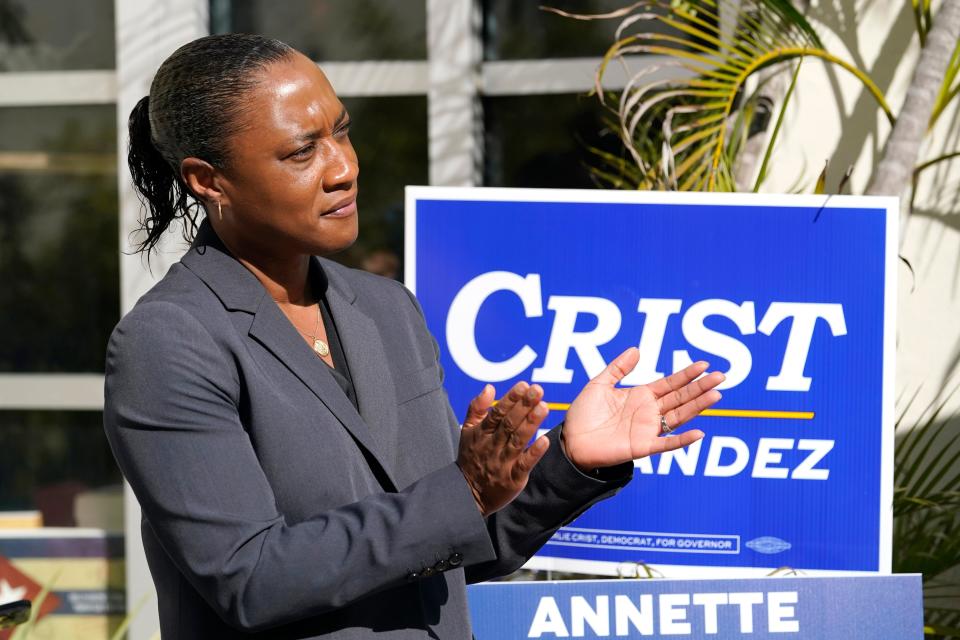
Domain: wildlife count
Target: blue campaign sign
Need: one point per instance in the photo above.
(792, 297)
(876, 607)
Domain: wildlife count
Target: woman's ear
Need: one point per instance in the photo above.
(201, 179)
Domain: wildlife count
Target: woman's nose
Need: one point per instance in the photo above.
(340, 166)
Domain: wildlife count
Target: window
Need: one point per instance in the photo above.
(62, 469)
(331, 30)
(524, 30)
(52, 35)
(544, 140)
(390, 137)
(58, 237)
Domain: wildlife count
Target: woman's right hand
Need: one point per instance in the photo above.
(494, 456)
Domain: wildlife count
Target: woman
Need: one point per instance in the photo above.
(281, 418)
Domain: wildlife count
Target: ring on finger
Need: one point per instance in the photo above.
(665, 429)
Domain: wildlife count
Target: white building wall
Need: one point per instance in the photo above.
(832, 117)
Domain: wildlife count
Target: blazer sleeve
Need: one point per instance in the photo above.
(172, 420)
(556, 493)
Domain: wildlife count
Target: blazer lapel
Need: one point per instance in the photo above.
(367, 358)
(239, 289)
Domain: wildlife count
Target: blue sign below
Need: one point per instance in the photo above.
(876, 607)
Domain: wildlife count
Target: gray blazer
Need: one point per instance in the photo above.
(271, 507)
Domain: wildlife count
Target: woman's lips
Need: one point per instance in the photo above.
(342, 210)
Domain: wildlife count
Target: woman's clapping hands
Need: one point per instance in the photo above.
(604, 426)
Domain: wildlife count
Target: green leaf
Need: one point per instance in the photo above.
(845, 179)
(776, 130)
(821, 185)
(794, 17)
(125, 624)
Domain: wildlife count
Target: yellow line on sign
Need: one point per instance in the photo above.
(725, 413)
(751, 413)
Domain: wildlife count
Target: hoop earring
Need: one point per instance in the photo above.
(219, 210)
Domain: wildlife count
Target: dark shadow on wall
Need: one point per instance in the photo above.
(859, 124)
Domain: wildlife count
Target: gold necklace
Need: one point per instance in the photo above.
(319, 346)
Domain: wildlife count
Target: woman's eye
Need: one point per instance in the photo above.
(303, 152)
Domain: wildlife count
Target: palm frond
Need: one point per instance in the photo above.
(761, 176)
(618, 171)
(926, 507)
(912, 458)
(710, 60)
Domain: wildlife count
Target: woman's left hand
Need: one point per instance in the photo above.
(606, 425)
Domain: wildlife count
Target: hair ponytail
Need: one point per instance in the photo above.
(159, 186)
